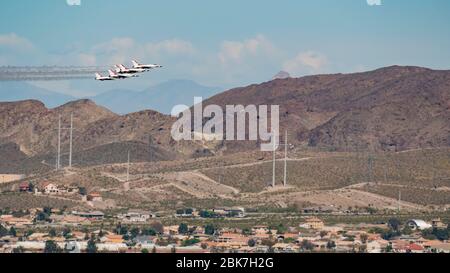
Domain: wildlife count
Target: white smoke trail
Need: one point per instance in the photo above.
(47, 73)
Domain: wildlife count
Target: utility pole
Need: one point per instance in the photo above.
(370, 168)
(274, 164)
(285, 158)
(71, 138)
(128, 167)
(58, 160)
(126, 185)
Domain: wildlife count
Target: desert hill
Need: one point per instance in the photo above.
(393, 108)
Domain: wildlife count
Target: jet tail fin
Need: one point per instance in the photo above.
(135, 63)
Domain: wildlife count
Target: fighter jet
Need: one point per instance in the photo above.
(121, 69)
(99, 77)
(136, 64)
(115, 75)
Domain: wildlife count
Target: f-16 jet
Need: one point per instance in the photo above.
(121, 69)
(138, 65)
(119, 76)
(99, 77)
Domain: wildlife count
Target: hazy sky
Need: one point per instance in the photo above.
(223, 43)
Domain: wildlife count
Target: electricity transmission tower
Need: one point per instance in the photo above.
(286, 144)
(60, 129)
(370, 168)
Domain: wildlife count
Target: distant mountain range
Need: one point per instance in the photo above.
(17, 91)
(161, 97)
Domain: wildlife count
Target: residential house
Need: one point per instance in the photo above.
(313, 223)
(24, 187)
(93, 215)
(94, 197)
(416, 224)
(50, 188)
(112, 238)
(437, 223)
(136, 216)
(231, 240)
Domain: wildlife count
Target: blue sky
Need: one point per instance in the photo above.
(223, 43)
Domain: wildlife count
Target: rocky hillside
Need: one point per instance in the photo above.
(29, 136)
(393, 108)
(33, 127)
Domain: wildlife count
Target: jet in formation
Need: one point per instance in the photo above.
(122, 72)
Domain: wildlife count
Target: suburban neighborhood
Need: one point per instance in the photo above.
(138, 231)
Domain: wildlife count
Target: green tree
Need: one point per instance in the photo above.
(183, 228)
(210, 229)
(148, 231)
(246, 231)
(394, 224)
(52, 233)
(388, 248)
(135, 232)
(144, 251)
(281, 229)
(29, 233)
(251, 243)
(3, 231)
(189, 242)
(91, 245)
(388, 235)
(42, 217)
(157, 226)
(52, 247)
(82, 191)
(13, 232)
(306, 245)
(331, 245)
(436, 233)
(30, 187)
(47, 210)
(67, 233)
(180, 211)
(121, 230)
(101, 233)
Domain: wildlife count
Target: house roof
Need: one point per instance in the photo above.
(95, 194)
(421, 224)
(414, 247)
(313, 220)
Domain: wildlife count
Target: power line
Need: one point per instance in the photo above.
(58, 158)
(71, 138)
